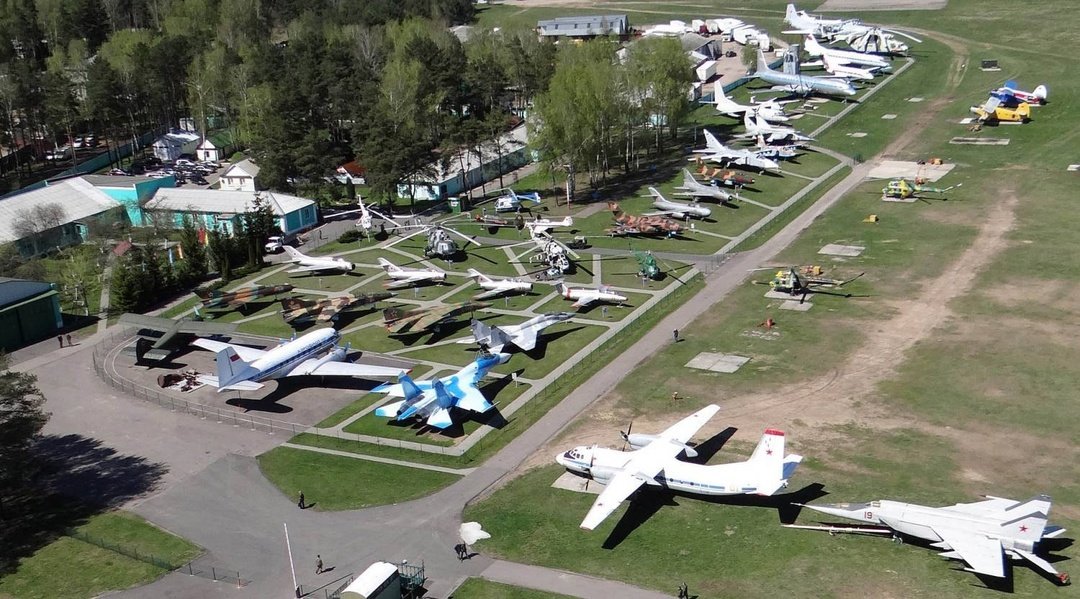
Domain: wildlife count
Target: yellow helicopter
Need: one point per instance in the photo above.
(903, 189)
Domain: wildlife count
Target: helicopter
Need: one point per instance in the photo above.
(903, 189)
(439, 243)
(648, 267)
(511, 201)
(791, 282)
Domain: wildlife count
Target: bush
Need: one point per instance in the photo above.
(350, 236)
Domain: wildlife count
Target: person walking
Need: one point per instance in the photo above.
(301, 504)
(60, 338)
(675, 336)
(318, 564)
(68, 339)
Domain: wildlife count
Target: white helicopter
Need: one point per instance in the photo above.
(512, 201)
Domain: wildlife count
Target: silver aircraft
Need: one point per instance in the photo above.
(801, 84)
(524, 335)
(667, 207)
(693, 188)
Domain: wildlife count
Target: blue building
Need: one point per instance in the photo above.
(215, 209)
(131, 192)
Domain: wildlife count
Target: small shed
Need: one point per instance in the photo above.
(380, 581)
(208, 152)
(175, 144)
(29, 312)
(240, 176)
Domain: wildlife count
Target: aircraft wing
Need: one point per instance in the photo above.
(982, 554)
(681, 431)
(473, 400)
(399, 283)
(429, 319)
(992, 504)
(329, 311)
(331, 368)
(584, 301)
(247, 354)
(310, 268)
(617, 490)
(196, 327)
(488, 294)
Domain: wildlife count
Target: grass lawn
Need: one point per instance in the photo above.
(72, 568)
(337, 483)
(478, 588)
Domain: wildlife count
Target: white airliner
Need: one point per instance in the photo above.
(317, 264)
(497, 287)
(770, 110)
(244, 368)
(847, 71)
(758, 127)
(586, 296)
(404, 277)
(843, 57)
(676, 209)
(654, 463)
(715, 151)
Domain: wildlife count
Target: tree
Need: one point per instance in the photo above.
(220, 250)
(21, 419)
(192, 269)
(259, 223)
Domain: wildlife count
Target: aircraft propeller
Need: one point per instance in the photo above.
(626, 434)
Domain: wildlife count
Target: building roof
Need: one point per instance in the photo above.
(78, 197)
(585, 25)
(13, 291)
(370, 580)
(206, 144)
(241, 169)
(115, 180)
(177, 138)
(353, 168)
(217, 201)
(512, 141)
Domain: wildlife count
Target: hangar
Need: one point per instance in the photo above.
(29, 312)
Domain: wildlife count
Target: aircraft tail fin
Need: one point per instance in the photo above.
(392, 313)
(231, 370)
(615, 209)
(688, 179)
(1029, 527)
(1040, 92)
(442, 396)
(710, 140)
(478, 276)
(498, 339)
(293, 252)
(768, 456)
(440, 419)
(205, 293)
(762, 64)
(409, 387)
(791, 15)
(388, 266)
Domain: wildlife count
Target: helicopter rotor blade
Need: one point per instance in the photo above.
(463, 236)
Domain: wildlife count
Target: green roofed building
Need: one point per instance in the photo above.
(29, 312)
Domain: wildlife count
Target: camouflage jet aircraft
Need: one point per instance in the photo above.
(232, 299)
(159, 337)
(327, 309)
(400, 321)
(629, 224)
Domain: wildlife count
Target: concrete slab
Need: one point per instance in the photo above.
(778, 295)
(577, 484)
(796, 306)
(796, 117)
(767, 335)
(892, 169)
(857, 134)
(725, 363)
(835, 249)
(980, 141)
(915, 99)
(967, 121)
(888, 117)
(817, 100)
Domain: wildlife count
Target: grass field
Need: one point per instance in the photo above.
(478, 588)
(73, 568)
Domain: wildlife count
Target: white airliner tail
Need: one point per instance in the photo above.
(233, 372)
(769, 460)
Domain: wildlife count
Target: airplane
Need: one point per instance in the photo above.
(232, 299)
(1012, 95)
(803, 21)
(243, 368)
(317, 264)
(553, 254)
(843, 57)
(859, 36)
(172, 334)
(400, 321)
(775, 152)
(327, 309)
(653, 461)
(495, 338)
(800, 84)
(544, 225)
(510, 201)
(432, 400)
(994, 111)
(770, 110)
(497, 287)
(757, 127)
(980, 534)
(715, 151)
(792, 283)
(846, 71)
(402, 276)
(585, 296)
(693, 188)
(729, 177)
(676, 209)
(629, 224)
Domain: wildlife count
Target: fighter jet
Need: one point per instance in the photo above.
(715, 151)
(232, 299)
(798, 83)
(496, 287)
(980, 534)
(653, 461)
(757, 127)
(327, 309)
(667, 207)
(405, 277)
(314, 264)
(629, 224)
(159, 337)
(846, 71)
(843, 57)
(585, 296)
(693, 188)
(771, 110)
(432, 400)
(400, 321)
(495, 338)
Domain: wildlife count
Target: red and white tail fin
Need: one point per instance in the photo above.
(1028, 519)
(232, 371)
(768, 460)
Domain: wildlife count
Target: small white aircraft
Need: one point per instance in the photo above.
(777, 152)
(757, 127)
(404, 277)
(803, 22)
(243, 368)
(524, 335)
(693, 188)
(770, 110)
(981, 534)
(846, 71)
(545, 225)
(317, 264)
(432, 400)
(653, 461)
(585, 296)
(497, 287)
(676, 209)
(717, 152)
(511, 201)
(843, 57)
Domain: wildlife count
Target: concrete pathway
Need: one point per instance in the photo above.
(566, 583)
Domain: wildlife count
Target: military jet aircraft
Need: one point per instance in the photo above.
(757, 127)
(232, 299)
(980, 534)
(159, 337)
(584, 296)
(327, 309)
(400, 321)
(401, 276)
(770, 110)
(693, 188)
(715, 151)
(317, 264)
(496, 287)
(667, 207)
(495, 338)
(653, 461)
(432, 400)
(629, 224)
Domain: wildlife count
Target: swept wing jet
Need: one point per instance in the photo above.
(317, 264)
(693, 188)
(715, 151)
(667, 207)
(630, 224)
(584, 296)
(981, 534)
(432, 400)
(422, 319)
(757, 127)
(172, 334)
(798, 83)
(244, 368)
(843, 57)
(770, 110)
(327, 309)
(653, 461)
(524, 335)
(401, 276)
(232, 299)
(494, 287)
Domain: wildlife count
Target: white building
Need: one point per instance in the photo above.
(240, 176)
(174, 144)
(208, 152)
